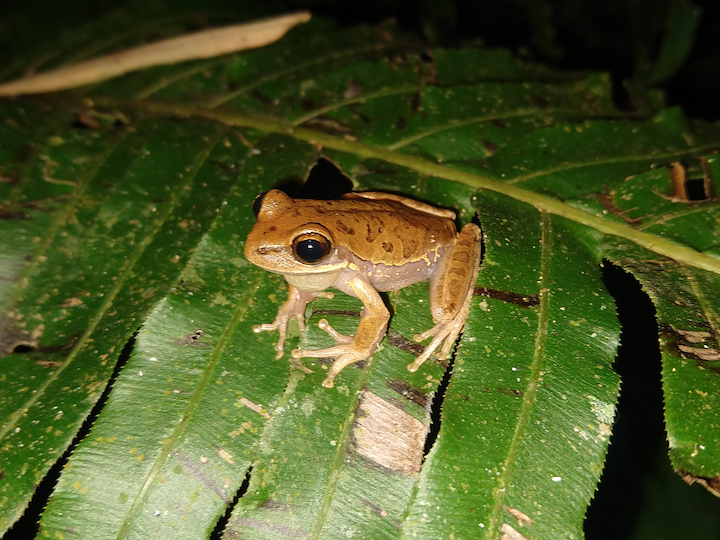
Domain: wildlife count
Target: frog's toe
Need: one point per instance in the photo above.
(340, 363)
(443, 334)
(300, 318)
(323, 324)
(426, 334)
(330, 352)
(297, 364)
(344, 356)
(419, 361)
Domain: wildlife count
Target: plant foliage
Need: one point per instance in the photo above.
(124, 208)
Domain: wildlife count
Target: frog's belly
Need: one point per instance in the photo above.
(385, 277)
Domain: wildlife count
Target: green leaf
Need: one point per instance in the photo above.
(688, 322)
(124, 207)
(681, 24)
(537, 383)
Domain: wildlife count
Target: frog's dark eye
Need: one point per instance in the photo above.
(257, 204)
(311, 248)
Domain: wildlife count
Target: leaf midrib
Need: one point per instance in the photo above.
(673, 250)
(530, 393)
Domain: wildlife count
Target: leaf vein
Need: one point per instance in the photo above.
(359, 99)
(189, 412)
(339, 458)
(500, 492)
(475, 120)
(294, 69)
(620, 159)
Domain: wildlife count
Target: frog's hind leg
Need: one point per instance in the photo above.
(451, 295)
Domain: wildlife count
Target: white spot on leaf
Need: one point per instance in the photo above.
(603, 411)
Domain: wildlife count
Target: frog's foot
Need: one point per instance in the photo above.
(444, 334)
(280, 324)
(337, 336)
(344, 355)
(294, 306)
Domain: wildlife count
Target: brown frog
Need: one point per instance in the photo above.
(362, 244)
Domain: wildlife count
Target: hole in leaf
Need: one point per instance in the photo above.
(85, 121)
(23, 348)
(28, 525)
(225, 518)
(695, 189)
(326, 181)
(621, 97)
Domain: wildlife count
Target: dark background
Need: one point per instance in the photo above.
(619, 37)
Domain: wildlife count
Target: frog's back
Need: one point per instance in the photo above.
(384, 231)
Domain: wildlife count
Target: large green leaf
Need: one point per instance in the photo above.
(124, 209)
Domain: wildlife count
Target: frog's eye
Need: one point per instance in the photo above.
(257, 204)
(311, 248)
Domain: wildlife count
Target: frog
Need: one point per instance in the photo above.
(363, 244)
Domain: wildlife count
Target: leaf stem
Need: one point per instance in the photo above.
(203, 44)
(543, 203)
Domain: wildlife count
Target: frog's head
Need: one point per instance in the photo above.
(286, 238)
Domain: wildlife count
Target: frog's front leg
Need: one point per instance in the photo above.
(370, 331)
(294, 306)
(451, 294)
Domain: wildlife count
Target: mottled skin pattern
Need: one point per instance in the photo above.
(375, 242)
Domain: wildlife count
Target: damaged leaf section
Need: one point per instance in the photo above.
(14, 338)
(711, 484)
(522, 300)
(688, 190)
(688, 324)
(517, 514)
(699, 345)
(388, 436)
(677, 202)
